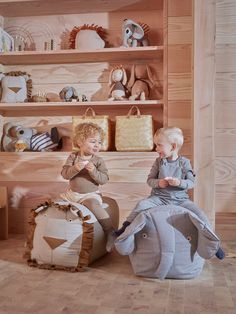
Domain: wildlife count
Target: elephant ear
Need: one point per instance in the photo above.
(125, 242)
(208, 242)
(138, 31)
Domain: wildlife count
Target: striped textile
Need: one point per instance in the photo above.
(42, 142)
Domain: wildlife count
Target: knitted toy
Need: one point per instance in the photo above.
(117, 81)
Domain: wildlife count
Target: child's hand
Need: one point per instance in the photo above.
(162, 183)
(173, 181)
(90, 166)
(80, 165)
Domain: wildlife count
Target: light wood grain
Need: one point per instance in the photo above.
(203, 127)
(225, 131)
(32, 8)
(180, 30)
(3, 213)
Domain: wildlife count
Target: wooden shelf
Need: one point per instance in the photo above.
(14, 8)
(80, 56)
(46, 166)
(67, 108)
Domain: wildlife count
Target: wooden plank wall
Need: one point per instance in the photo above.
(225, 106)
(180, 35)
(128, 176)
(204, 76)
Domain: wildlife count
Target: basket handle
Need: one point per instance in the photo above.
(86, 113)
(137, 112)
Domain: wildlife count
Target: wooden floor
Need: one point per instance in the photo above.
(110, 287)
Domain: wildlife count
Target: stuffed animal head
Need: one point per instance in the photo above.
(141, 72)
(16, 137)
(118, 74)
(15, 87)
(87, 37)
(134, 33)
(181, 240)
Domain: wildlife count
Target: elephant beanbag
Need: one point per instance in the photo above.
(67, 236)
(167, 242)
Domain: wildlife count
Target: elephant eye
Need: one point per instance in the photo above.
(189, 238)
(144, 235)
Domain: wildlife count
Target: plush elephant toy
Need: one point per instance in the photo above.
(134, 34)
(17, 138)
(167, 242)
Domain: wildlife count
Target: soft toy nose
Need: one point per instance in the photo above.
(54, 242)
(15, 89)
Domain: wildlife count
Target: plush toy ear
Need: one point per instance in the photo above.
(208, 242)
(132, 77)
(2, 75)
(138, 31)
(125, 242)
(110, 77)
(8, 137)
(124, 77)
(150, 76)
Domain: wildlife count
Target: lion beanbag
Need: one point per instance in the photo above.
(66, 235)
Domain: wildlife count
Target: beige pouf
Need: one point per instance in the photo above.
(66, 235)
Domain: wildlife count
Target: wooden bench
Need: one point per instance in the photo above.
(3, 213)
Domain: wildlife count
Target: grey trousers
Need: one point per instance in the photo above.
(153, 201)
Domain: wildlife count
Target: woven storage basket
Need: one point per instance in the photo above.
(102, 121)
(134, 132)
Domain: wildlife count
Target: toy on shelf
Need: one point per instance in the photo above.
(15, 86)
(69, 93)
(140, 82)
(87, 37)
(117, 81)
(134, 34)
(39, 97)
(6, 41)
(17, 138)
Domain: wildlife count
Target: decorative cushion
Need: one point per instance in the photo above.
(167, 242)
(15, 87)
(66, 235)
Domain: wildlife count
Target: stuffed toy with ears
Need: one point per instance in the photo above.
(141, 82)
(15, 86)
(134, 34)
(17, 138)
(117, 81)
(168, 241)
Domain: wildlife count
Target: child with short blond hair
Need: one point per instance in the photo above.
(170, 177)
(85, 172)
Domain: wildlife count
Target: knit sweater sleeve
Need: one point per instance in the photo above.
(187, 182)
(69, 170)
(100, 172)
(152, 180)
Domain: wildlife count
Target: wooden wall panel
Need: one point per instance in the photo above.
(225, 109)
(180, 30)
(180, 8)
(204, 75)
(128, 172)
(180, 39)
